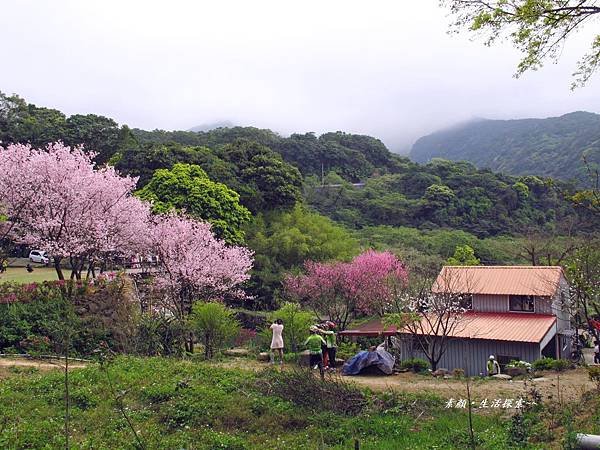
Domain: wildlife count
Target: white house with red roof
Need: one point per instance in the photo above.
(513, 313)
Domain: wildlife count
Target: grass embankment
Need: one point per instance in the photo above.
(197, 405)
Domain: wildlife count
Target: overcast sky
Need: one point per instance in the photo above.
(381, 68)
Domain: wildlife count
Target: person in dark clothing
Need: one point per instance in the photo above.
(29, 268)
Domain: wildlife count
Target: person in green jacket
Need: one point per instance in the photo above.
(313, 343)
(493, 368)
(331, 342)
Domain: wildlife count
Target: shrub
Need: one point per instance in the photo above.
(244, 337)
(304, 389)
(519, 364)
(347, 350)
(458, 373)
(415, 364)
(252, 320)
(36, 345)
(543, 364)
(215, 325)
(35, 317)
(594, 374)
(296, 323)
(561, 365)
(159, 335)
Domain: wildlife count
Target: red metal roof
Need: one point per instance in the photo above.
(499, 280)
(515, 327)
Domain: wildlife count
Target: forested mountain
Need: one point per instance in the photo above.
(552, 147)
(273, 173)
(212, 126)
(397, 191)
(25, 122)
(354, 157)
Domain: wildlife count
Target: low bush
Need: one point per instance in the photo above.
(561, 365)
(245, 337)
(159, 335)
(516, 364)
(415, 364)
(544, 363)
(37, 317)
(215, 325)
(594, 374)
(302, 388)
(347, 350)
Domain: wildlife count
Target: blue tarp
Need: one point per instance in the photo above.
(378, 358)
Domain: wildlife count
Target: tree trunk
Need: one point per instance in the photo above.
(58, 269)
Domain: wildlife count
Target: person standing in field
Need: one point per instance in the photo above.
(331, 344)
(277, 341)
(313, 343)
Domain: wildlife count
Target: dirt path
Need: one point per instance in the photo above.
(573, 383)
(43, 365)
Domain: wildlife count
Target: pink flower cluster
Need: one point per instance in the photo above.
(56, 200)
(367, 284)
(194, 264)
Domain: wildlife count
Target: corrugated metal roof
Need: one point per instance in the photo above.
(515, 327)
(502, 280)
(372, 328)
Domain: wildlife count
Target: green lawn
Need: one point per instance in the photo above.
(197, 405)
(20, 275)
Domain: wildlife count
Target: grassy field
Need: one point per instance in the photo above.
(20, 275)
(197, 405)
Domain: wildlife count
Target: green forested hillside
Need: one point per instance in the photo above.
(552, 147)
(324, 197)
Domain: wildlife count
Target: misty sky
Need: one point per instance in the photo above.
(381, 68)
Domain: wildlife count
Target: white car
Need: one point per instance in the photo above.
(39, 256)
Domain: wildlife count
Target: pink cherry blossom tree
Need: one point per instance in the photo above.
(194, 265)
(56, 200)
(342, 290)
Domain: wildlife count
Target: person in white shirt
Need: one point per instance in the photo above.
(277, 341)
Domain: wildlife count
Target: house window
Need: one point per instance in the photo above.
(523, 303)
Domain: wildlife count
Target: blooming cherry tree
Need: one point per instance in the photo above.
(56, 200)
(368, 284)
(193, 264)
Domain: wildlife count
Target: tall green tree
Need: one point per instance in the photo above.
(463, 256)
(264, 181)
(187, 187)
(97, 133)
(282, 241)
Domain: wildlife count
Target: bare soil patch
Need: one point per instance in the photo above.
(40, 364)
